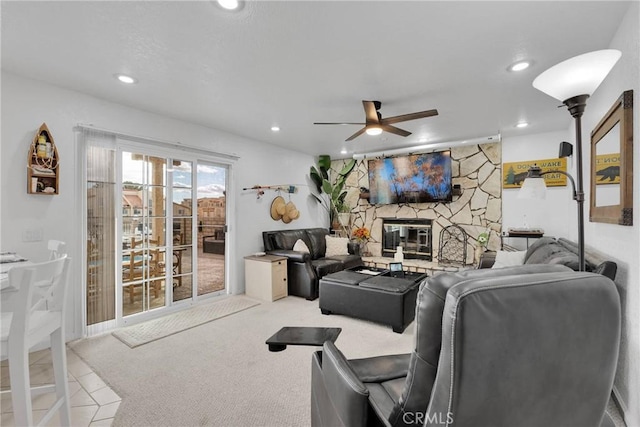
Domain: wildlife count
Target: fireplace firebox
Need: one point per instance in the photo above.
(413, 235)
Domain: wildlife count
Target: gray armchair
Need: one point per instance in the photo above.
(534, 345)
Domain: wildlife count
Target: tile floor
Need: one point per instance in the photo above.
(93, 403)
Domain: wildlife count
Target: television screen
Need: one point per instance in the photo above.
(417, 178)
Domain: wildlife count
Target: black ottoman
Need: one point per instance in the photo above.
(382, 299)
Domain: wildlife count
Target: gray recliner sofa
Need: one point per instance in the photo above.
(533, 345)
(304, 270)
(548, 250)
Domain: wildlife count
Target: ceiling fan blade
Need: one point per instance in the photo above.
(395, 130)
(361, 124)
(371, 111)
(407, 117)
(357, 134)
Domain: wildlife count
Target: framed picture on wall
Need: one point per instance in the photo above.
(514, 173)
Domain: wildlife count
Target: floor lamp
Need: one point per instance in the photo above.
(572, 82)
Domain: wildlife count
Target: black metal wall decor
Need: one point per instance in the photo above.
(453, 245)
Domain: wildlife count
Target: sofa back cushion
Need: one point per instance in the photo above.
(552, 252)
(428, 337)
(286, 239)
(318, 246)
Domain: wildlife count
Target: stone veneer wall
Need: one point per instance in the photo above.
(478, 171)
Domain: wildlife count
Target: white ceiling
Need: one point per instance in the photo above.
(292, 63)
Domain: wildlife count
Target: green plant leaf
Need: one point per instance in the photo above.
(327, 187)
(316, 178)
(346, 170)
(324, 161)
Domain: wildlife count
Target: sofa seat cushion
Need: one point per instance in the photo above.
(347, 261)
(389, 284)
(345, 277)
(324, 266)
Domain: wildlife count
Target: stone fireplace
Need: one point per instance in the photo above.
(476, 207)
(413, 235)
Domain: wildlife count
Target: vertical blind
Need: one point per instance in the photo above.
(101, 226)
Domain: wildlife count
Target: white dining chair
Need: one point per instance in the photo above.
(57, 248)
(39, 313)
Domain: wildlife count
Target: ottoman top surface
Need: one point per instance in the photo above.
(389, 284)
(346, 277)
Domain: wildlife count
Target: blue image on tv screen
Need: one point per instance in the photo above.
(417, 178)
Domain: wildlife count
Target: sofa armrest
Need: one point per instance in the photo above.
(381, 368)
(291, 255)
(348, 395)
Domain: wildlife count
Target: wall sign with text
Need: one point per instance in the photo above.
(514, 173)
(608, 168)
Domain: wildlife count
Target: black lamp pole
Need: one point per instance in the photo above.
(576, 106)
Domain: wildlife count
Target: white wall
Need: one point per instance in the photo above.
(26, 104)
(621, 242)
(557, 214)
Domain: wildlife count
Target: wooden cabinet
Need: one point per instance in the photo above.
(265, 277)
(43, 164)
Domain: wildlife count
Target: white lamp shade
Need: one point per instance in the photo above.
(533, 188)
(580, 75)
(374, 131)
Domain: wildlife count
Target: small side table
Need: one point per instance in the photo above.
(265, 277)
(301, 335)
(522, 235)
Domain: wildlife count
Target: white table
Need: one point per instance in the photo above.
(10, 260)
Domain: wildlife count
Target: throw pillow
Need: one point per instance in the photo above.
(509, 259)
(301, 246)
(336, 246)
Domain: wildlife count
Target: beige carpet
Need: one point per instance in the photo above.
(155, 329)
(222, 374)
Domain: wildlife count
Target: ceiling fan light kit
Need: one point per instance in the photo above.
(375, 124)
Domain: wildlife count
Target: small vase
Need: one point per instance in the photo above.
(363, 248)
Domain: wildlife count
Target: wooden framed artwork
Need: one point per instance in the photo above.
(612, 164)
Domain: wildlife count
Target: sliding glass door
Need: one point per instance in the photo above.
(212, 219)
(143, 233)
(156, 231)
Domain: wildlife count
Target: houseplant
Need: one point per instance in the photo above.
(483, 240)
(331, 192)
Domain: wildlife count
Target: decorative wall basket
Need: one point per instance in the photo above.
(281, 210)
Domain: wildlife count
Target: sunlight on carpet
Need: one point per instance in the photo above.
(155, 329)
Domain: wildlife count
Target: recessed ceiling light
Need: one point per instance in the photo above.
(522, 125)
(229, 4)
(343, 151)
(125, 79)
(373, 131)
(519, 66)
(275, 128)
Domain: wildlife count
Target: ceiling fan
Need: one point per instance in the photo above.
(375, 124)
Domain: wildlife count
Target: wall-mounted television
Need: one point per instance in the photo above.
(416, 178)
